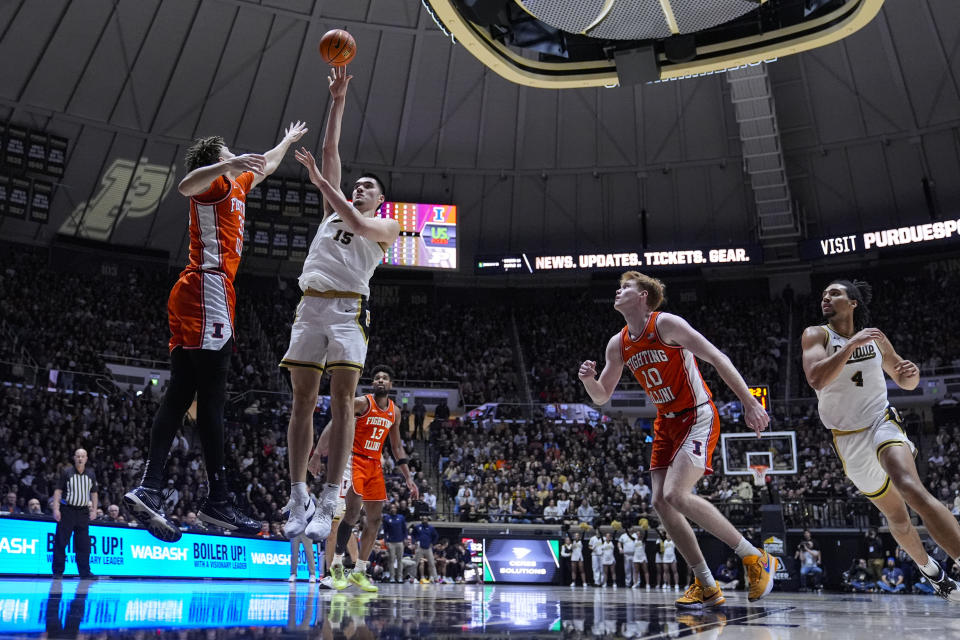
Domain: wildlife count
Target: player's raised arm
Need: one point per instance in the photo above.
(396, 444)
(903, 372)
(274, 156)
(674, 329)
(330, 157)
(198, 180)
(600, 389)
(385, 230)
(822, 368)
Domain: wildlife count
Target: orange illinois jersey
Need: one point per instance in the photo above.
(201, 304)
(217, 217)
(372, 428)
(668, 373)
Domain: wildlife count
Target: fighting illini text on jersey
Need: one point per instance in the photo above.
(201, 304)
(372, 429)
(668, 373)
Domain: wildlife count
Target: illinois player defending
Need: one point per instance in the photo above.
(201, 312)
(844, 363)
(660, 349)
(330, 329)
(363, 484)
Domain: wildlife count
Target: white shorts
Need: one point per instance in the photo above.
(859, 452)
(639, 555)
(330, 331)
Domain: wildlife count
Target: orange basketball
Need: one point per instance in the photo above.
(337, 47)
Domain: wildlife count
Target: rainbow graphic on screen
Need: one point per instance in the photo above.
(428, 235)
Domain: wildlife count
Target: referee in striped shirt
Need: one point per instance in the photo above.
(74, 506)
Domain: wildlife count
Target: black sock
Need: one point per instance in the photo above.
(343, 536)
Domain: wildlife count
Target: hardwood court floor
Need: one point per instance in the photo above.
(36, 608)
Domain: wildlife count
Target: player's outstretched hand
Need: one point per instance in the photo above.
(755, 417)
(295, 131)
(864, 336)
(414, 492)
(907, 369)
(248, 162)
(338, 80)
(306, 158)
(588, 370)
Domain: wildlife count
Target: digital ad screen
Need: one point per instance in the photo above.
(26, 548)
(520, 560)
(428, 235)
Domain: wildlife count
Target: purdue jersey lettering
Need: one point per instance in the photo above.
(340, 260)
(856, 398)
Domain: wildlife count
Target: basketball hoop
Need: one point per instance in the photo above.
(759, 474)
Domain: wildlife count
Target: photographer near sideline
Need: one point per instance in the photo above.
(808, 555)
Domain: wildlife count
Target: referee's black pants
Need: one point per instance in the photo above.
(200, 373)
(74, 521)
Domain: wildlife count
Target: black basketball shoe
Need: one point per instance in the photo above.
(146, 505)
(225, 515)
(945, 586)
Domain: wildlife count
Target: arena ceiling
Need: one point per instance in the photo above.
(862, 123)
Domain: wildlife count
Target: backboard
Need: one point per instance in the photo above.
(776, 449)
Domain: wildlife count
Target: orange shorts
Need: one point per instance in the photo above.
(201, 310)
(695, 432)
(365, 475)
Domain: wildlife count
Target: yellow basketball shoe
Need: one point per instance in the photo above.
(361, 580)
(760, 571)
(699, 597)
(339, 579)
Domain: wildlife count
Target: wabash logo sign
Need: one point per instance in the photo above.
(18, 546)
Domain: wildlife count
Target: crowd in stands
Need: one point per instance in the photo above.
(487, 470)
(41, 428)
(943, 468)
(546, 471)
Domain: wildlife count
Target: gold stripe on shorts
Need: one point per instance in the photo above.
(313, 293)
(879, 494)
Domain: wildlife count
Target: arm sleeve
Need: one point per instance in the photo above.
(217, 190)
(62, 482)
(93, 478)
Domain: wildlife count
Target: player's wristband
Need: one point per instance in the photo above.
(405, 461)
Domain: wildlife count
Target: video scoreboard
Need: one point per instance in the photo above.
(428, 235)
(285, 217)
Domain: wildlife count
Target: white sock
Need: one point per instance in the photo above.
(331, 487)
(744, 549)
(931, 569)
(702, 571)
(361, 566)
(298, 490)
(337, 559)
